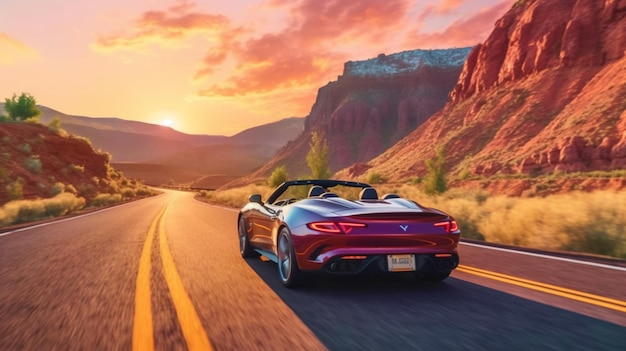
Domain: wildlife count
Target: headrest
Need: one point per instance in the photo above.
(368, 194)
(316, 190)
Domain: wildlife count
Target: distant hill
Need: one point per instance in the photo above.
(546, 92)
(155, 153)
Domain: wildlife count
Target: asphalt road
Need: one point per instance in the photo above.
(164, 273)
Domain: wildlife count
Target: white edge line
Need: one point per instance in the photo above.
(617, 268)
(60, 220)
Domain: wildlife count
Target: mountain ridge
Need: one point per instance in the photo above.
(361, 114)
(536, 97)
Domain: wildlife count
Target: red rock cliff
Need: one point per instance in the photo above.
(545, 92)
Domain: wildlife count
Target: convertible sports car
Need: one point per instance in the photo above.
(343, 227)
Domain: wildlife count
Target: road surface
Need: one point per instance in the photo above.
(164, 273)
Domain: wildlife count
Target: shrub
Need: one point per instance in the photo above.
(15, 190)
(25, 148)
(144, 191)
(22, 211)
(55, 126)
(279, 176)
(71, 189)
(33, 164)
(105, 200)
(88, 191)
(128, 193)
(435, 180)
(375, 178)
(22, 108)
(317, 158)
(62, 204)
(4, 174)
(57, 188)
(76, 168)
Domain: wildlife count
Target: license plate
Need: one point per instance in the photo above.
(401, 263)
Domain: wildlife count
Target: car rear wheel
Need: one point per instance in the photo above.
(245, 248)
(288, 270)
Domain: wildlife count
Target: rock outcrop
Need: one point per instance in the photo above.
(373, 105)
(545, 92)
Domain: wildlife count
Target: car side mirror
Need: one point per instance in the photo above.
(255, 198)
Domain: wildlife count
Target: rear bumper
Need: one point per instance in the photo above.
(364, 264)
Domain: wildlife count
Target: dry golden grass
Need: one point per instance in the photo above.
(583, 222)
(236, 197)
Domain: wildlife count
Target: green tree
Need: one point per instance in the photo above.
(435, 180)
(279, 176)
(22, 108)
(317, 158)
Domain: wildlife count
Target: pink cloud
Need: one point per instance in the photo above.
(463, 32)
(309, 51)
(300, 55)
(163, 27)
(447, 6)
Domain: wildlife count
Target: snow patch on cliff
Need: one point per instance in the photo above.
(405, 62)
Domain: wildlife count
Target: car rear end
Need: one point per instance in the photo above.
(380, 239)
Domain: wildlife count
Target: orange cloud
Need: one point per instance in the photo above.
(447, 6)
(318, 37)
(302, 53)
(467, 32)
(164, 27)
(13, 50)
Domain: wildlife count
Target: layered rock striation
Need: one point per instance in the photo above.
(545, 92)
(373, 105)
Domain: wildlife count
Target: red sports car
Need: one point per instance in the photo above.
(343, 227)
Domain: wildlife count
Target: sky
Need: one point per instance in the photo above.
(213, 67)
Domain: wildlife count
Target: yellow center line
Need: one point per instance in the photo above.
(592, 299)
(187, 316)
(143, 337)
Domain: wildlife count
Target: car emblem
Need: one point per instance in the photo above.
(404, 227)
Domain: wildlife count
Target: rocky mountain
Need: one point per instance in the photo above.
(546, 92)
(371, 106)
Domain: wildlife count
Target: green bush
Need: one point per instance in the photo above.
(15, 190)
(25, 148)
(22, 108)
(33, 164)
(57, 188)
(279, 176)
(375, 178)
(317, 158)
(55, 126)
(435, 180)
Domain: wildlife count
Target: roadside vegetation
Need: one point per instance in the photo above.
(592, 223)
(42, 185)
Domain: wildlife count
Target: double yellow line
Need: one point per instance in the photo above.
(592, 299)
(143, 330)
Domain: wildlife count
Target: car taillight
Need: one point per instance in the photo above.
(335, 227)
(449, 226)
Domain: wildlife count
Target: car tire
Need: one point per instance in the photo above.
(288, 270)
(245, 248)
